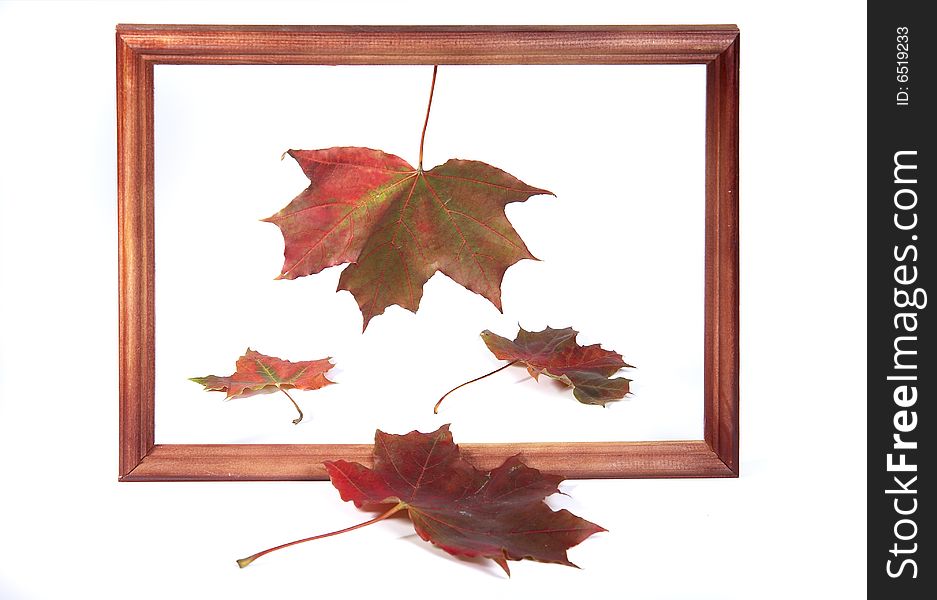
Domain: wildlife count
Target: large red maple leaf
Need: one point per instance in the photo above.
(500, 514)
(398, 225)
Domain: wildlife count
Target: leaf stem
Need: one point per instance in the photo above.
(426, 122)
(300, 418)
(243, 562)
(501, 368)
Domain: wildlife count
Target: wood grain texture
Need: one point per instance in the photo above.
(721, 358)
(135, 255)
(180, 44)
(258, 462)
(140, 47)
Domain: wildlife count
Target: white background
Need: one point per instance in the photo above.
(793, 524)
(621, 249)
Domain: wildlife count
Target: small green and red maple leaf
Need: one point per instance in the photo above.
(398, 225)
(257, 373)
(499, 514)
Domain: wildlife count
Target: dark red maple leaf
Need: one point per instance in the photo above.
(499, 515)
(555, 353)
(398, 224)
(257, 373)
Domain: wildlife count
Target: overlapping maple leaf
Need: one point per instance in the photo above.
(500, 514)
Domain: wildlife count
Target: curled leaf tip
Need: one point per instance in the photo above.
(503, 563)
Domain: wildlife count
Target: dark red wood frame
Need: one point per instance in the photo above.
(140, 47)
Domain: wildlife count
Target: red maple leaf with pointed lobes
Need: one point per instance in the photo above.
(257, 373)
(398, 224)
(500, 514)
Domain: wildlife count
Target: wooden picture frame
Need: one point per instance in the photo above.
(140, 47)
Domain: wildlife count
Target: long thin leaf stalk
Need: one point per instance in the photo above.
(436, 408)
(300, 418)
(429, 105)
(243, 562)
